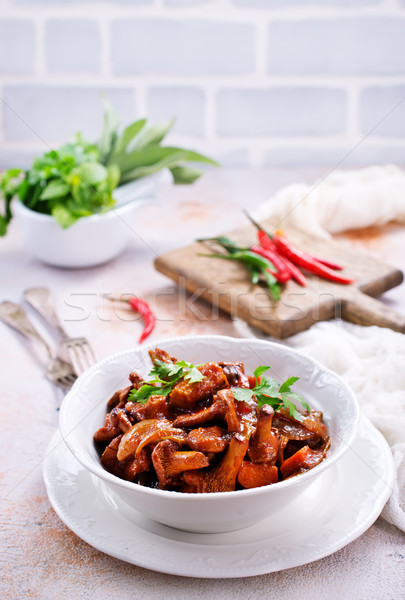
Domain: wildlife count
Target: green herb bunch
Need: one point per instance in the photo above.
(79, 179)
(256, 265)
(268, 391)
(164, 377)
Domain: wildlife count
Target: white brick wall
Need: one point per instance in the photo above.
(72, 46)
(255, 82)
(185, 48)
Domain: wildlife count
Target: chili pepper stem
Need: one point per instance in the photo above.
(115, 299)
(256, 224)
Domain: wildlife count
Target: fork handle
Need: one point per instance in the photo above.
(15, 316)
(41, 299)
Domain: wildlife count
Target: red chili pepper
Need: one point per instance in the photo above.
(326, 263)
(295, 272)
(282, 274)
(269, 245)
(265, 240)
(301, 259)
(142, 308)
(319, 267)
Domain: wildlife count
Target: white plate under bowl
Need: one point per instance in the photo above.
(342, 504)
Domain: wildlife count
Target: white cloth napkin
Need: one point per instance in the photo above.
(342, 200)
(370, 359)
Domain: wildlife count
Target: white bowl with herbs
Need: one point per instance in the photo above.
(75, 205)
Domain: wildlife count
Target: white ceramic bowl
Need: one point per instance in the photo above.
(91, 240)
(83, 412)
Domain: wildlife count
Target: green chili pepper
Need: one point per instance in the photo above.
(229, 245)
(256, 265)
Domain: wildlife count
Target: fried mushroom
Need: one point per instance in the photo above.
(222, 408)
(108, 432)
(156, 407)
(222, 477)
(207, 439)
(147, 432)
(265, 443)
(169, 462)
(235, 374)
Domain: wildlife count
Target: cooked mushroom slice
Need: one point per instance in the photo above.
(156, 407)
(187, 395)
(283, 443)
(256, 475)
(119, 398)
(231, 418)
(108, 432)
(109, 458)
(303, 460)
(169, 462)
(310, 428)
(162, 355)
(235, 374)
(145, 432)
(137, 465)
(223, 407)
(222, 477)
(207, 439)
(136, 380)
(265, 443)
(119, 418)
(205, 415)
(114, 400)
(313, 422)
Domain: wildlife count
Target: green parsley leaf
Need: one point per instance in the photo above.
(267, 388)
(292, 408)
(194, 375)
(285, 387)
(242, 394)
(259, 371)
(164, 376)
(298, 398)
(190, 372)
(146, 391)
(55, 189)
(162, 370)
(270, 392)
(275, 402)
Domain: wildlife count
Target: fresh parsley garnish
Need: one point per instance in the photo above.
(164, 376)
(268, 391)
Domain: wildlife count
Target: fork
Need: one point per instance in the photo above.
(77, 350)
(58, 371)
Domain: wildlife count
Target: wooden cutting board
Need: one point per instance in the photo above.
(227, 285)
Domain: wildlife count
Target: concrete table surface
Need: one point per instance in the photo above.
(40, 557)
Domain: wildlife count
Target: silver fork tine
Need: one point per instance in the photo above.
(90, 354)
(86, 353)
(78, 350)
(74, 354)
(80, 353)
